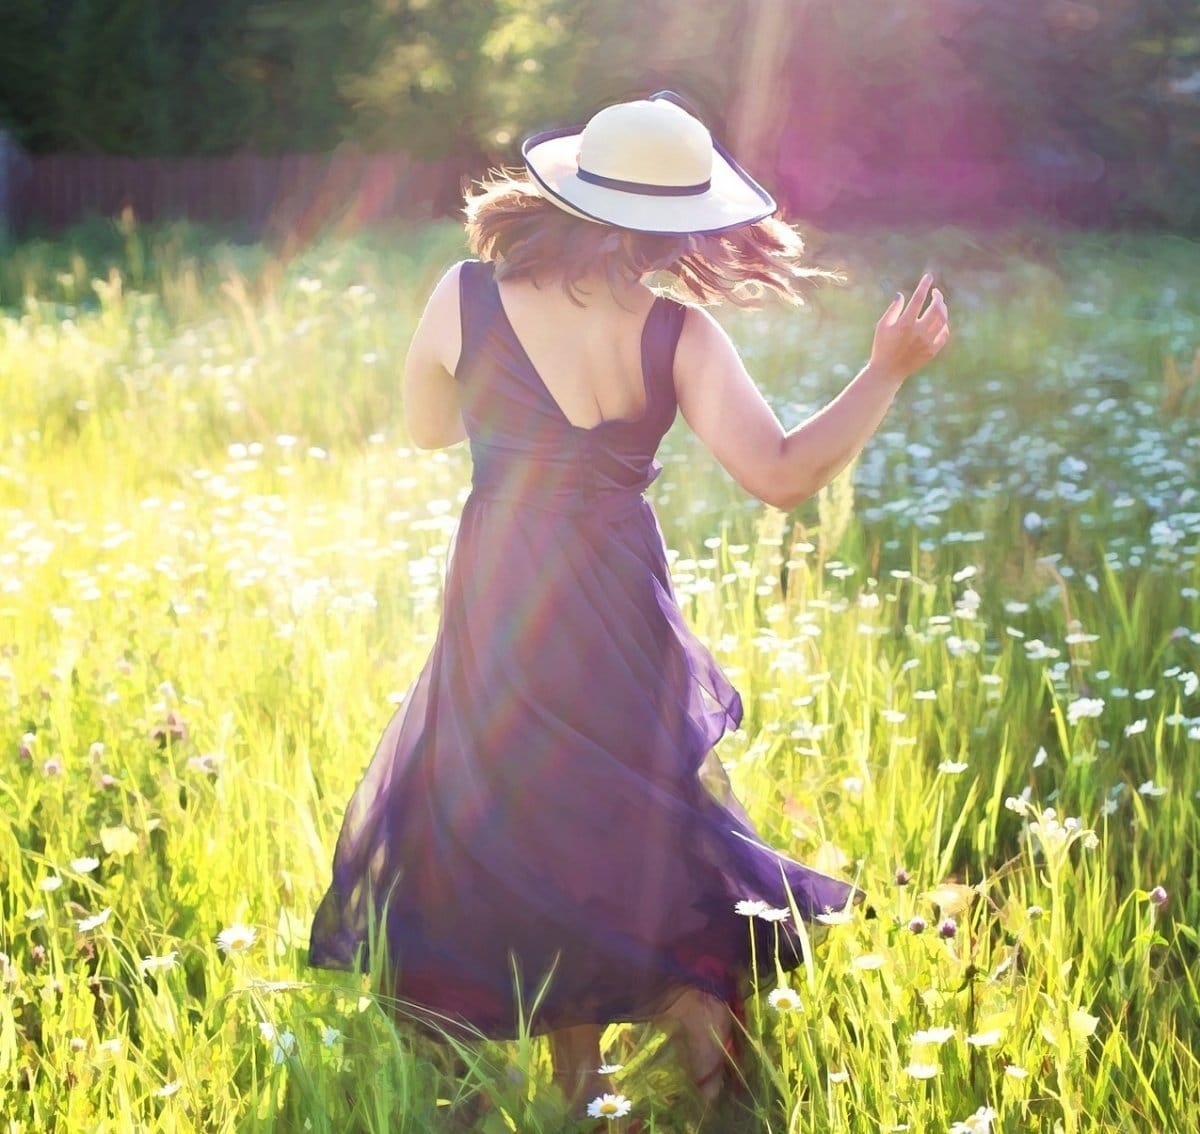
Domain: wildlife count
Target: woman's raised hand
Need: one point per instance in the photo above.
(907, 338)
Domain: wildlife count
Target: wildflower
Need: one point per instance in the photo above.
(835, 917)
(78, 1043)
(784, 999)
(952, 767)
(868, 961)
(775, 915)
(948, 929)
(979, 1123)
(52, 767)
(918, 925)
(1015, 1072)
(1152, 789)
(610, 1068)
(1036, 913)
(237, 938)
(932, 1036)
(839, 1076)
(96, 750)
(330, 1035)
(172, 728)
(1084, 707)
(51, 883)
(1158, 897)
(158, 964)
(1137, 727)
(609, 1106)
(750, 909)
(902, 876)
(89, 923)
(922, 1070)
(285, 1042)
(1039, 757)
(84, 865)
(985, 1039)
(168, 1089)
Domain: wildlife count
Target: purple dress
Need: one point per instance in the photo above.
(546, 801)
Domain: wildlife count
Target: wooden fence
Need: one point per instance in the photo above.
(299, 195)
(248, 193)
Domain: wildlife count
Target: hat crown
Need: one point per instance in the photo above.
(648, 142)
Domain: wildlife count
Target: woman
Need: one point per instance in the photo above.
(545, 835)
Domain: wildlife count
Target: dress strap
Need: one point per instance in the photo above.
(668, 316)
(474, 292)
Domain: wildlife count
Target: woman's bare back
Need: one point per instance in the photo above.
(590, 357)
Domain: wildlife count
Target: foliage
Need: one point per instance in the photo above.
(223, 561)
(1084, 109)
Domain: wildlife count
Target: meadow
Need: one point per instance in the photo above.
(971, 673)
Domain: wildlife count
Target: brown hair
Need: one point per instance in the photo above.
(510, 223)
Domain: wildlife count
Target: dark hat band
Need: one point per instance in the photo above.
(642, 188)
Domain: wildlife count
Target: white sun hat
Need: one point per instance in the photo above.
(649, 166)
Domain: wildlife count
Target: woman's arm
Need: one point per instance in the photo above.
(724, 407)
(432, 412)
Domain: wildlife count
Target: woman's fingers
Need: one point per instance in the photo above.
(936, 311)
(918, 297)
(892, 312)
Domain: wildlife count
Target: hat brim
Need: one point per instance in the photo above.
(732, 200)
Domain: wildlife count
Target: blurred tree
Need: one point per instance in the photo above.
(290, 62)
(1088, 106)
(28, 64)
(1080, 86)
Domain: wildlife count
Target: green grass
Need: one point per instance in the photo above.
(222, 558)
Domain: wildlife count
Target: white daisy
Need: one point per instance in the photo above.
(158, 964)
(609, 1106)
(237, 938)
(775, 915)
(985, 1039)
(89, 923)
(979, 1123)
(747, 908)
(784, 999)
(932, 1036)
(922, 1070)
(835, 917)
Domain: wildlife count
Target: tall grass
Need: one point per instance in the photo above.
(969, 670)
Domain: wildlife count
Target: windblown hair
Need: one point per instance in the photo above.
(527, 236)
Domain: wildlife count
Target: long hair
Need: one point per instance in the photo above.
(527, 236)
